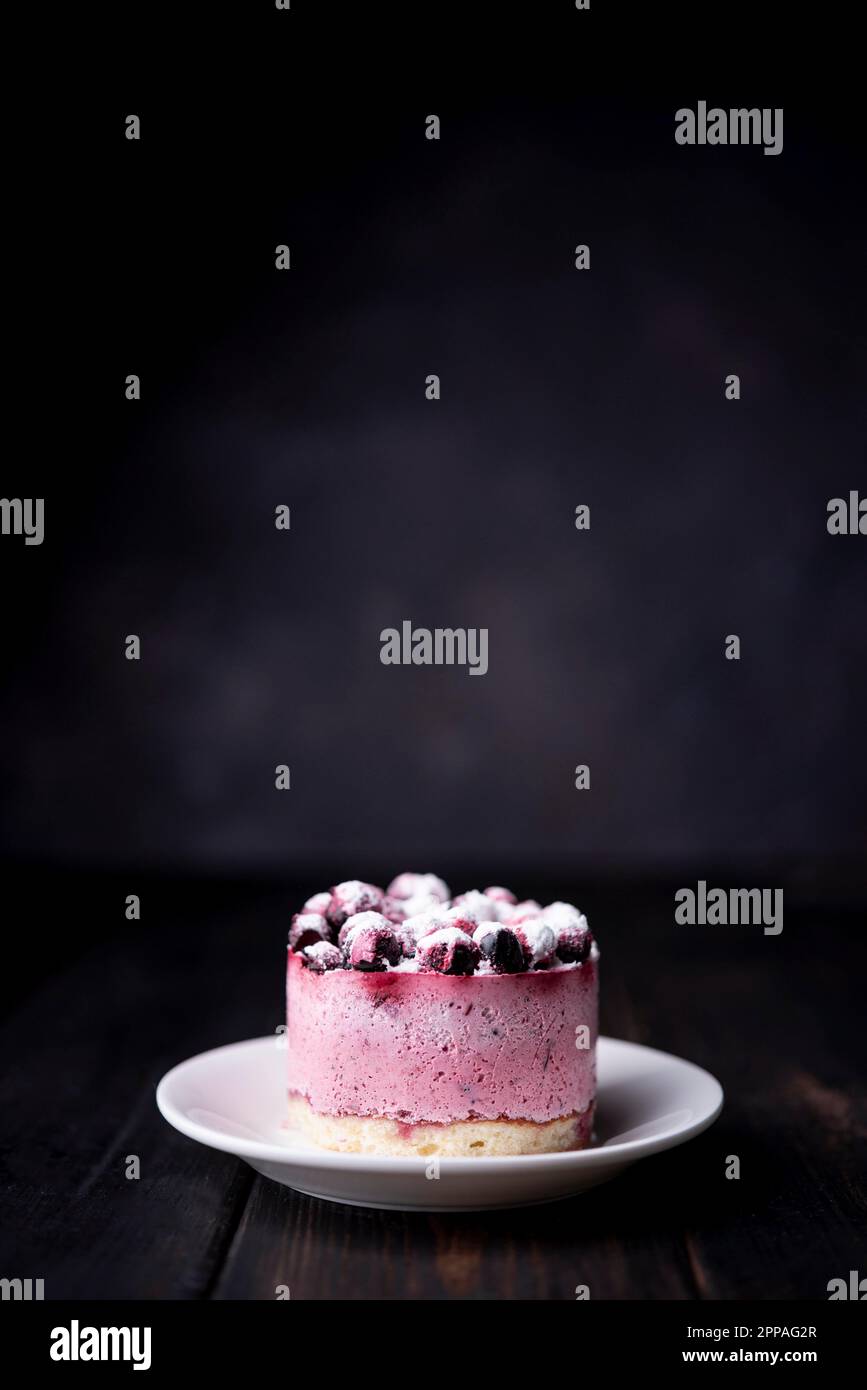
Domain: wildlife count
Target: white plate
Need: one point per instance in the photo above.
(234, 1099)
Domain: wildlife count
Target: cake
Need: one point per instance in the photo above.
(420, 1024)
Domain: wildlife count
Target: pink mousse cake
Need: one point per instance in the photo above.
(421, 1024)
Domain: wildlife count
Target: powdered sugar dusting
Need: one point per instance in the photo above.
(415, 925)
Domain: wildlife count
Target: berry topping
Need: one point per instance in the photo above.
(356, 922)
(415, 926)
(449, 951)
(479, 906)
(353, 897)
(574, 938)
(320, 902)
(500, 895)
(308, 928)
(413, 885)
(406, 939)
(421, 902)
(539, 941)
(573, 944)
(422, 925)
(322, 955)
(464, 918)
(394, 909)
(525, 911)
(372, 946)
(559, 915)
(500, 948)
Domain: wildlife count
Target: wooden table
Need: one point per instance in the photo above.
(100, 1007)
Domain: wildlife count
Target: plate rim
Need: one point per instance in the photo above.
(604, 1155)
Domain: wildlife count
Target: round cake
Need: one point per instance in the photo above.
(421, 1024)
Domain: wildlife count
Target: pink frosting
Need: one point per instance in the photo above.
(426, 1047)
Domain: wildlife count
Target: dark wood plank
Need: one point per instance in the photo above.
(90, 1045)
(778, 1019)
(617, 1244)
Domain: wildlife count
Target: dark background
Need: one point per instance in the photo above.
(262, 647)
(559, 387)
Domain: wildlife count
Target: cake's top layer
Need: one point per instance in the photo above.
(415, 925)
